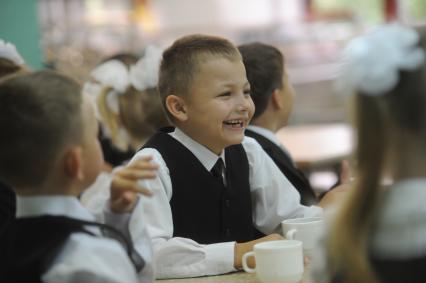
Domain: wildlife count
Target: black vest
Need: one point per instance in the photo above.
(202, 208)
(285, 164)
(29, 246)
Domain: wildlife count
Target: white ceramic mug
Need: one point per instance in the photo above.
(307, 230)
(277, 261)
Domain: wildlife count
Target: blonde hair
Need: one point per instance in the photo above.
(128, 115)
(349, 235)
(140, 113)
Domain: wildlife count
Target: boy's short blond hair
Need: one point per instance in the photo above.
(40, 112)
(183, 57)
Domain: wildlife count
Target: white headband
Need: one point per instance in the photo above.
(8, 51)
(371, 63)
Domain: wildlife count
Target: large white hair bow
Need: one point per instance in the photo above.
(371, 63)
(115, 74)
(142, 75)
(8, 51)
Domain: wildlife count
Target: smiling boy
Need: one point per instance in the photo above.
(202, 222)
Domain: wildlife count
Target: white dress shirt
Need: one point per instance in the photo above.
(273, 200)
(83, 258)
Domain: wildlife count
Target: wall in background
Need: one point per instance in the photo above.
(19, 25)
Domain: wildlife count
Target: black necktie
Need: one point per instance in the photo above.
(218, 170)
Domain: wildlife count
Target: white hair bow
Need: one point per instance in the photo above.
(8, 51)
(142, 75)
(371, 63)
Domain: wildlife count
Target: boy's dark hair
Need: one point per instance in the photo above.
(181, 60)
(264, 68)
(39, 113)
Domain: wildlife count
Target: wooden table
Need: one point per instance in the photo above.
(236, 277)
(319, 145)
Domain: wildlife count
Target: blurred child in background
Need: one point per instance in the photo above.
(123, 89)
(272, 94)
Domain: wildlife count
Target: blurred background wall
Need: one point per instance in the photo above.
(19, 23)
(74, 35)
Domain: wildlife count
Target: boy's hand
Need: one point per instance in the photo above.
(125, 187)
(335, 195)
(242, 248)
(345, 172)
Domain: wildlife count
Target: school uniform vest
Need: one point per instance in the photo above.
(29, 245)
(202, 208)
(286, 166)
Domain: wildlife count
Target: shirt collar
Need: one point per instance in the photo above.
(265, 133)
(52, 205)
(202, 153)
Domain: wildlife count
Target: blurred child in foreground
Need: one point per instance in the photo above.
(379, 233)
(10, 62)
(50, 157)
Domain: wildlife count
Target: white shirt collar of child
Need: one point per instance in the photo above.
(203, 154)
(70, 206)
(266, 133)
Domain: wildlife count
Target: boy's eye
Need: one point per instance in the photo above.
(228, 93)
(247, 92)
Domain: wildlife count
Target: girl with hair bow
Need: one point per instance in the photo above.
(123, 90)
(378, 235)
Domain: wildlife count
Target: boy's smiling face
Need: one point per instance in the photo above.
(218, 105)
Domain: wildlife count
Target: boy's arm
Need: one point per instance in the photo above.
(124, 193)
(273, 196)
(125, 186)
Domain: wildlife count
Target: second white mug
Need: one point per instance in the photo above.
(307, 230)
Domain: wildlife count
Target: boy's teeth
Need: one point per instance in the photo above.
(235, 123)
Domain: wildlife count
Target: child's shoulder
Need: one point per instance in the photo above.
(94, 255)
(154, 153)
(250, 144)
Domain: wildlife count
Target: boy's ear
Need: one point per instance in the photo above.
(177, 107)
(277, 99)
(73, 163)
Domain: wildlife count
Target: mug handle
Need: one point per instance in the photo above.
(290, 234)
(245, 266)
